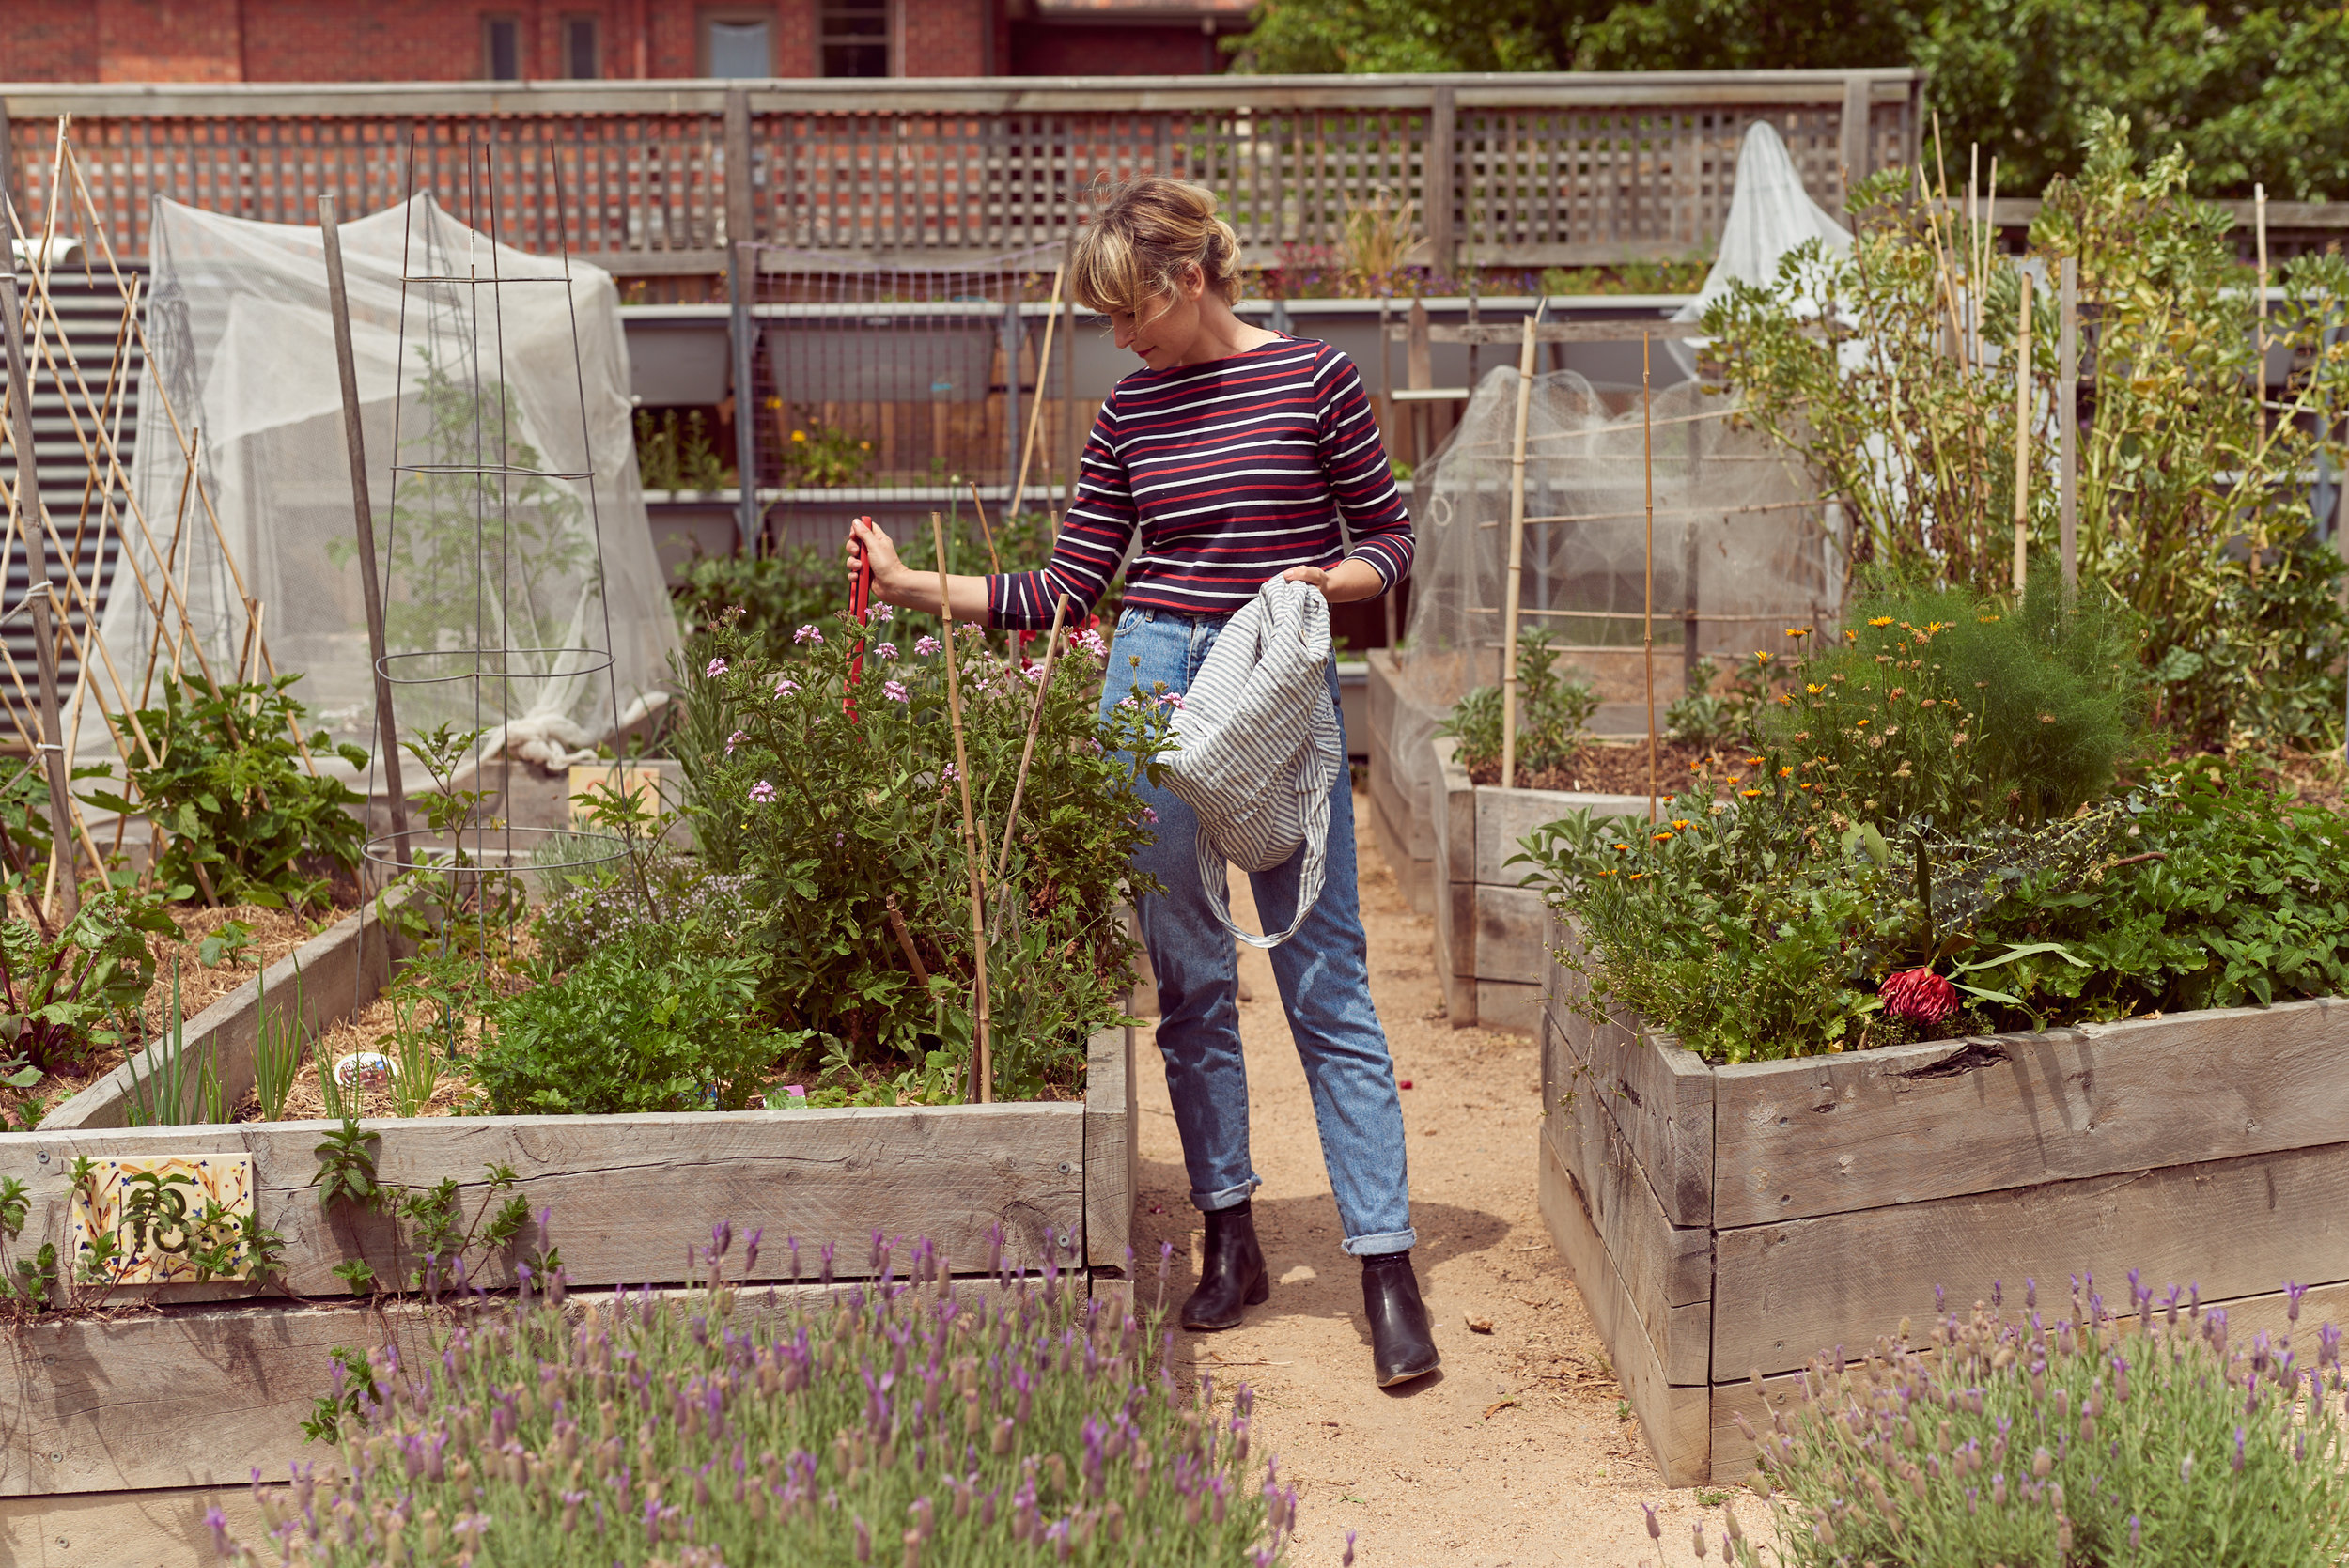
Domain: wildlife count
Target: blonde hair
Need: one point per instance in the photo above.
(1144, 235)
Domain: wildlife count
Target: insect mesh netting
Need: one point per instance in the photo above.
(1743, 546)
(501, 470)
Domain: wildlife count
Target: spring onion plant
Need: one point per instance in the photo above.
(2162, 1437)
(912, 1418)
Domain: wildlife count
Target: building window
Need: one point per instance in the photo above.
(501, 48)
(738, 46)
(855, 38)
(582, 59)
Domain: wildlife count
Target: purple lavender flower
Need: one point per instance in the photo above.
(807, 634)
(1655, 1526)
(927, 645)
(2238, 1450)
(715, 668)
(1150, 817)
(2292, 1300)
(762, 793)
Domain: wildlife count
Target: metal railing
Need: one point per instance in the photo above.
(660, 177)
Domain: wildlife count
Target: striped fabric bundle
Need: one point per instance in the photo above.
(1233, 472)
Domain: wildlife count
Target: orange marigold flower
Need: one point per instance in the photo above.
(1786, 773)
(1762, 655)
(1660, 838)
(1680, 823)
(1635, 876)
(1813, 688)
(1797, 631)
(1882, 620)
(1862, 724)
(1749, 794)
(1753, 762)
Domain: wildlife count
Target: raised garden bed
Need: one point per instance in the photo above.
(200, 1385)
(1725, 1221)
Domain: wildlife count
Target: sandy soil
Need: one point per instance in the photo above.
(1520, 1452)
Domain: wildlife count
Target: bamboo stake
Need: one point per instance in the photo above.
(987, 534)
(905, 944)
(982, 1064)
(31, 512)
(1517, 557)
(2022, 441)
(1035, 721)
(1035, 406)
(1989, 247)
(2259, 384)
(2067, 422)
(1647, 611)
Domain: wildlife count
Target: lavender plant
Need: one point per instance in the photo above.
(2154, 1438)
(915, 1418)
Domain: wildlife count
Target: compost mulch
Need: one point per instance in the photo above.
(1621, 768)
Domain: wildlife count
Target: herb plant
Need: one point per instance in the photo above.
(248, 820)
(1915, 812)
(622, 1031)
(2157, 1436)
(1552, 710)
(80, 987)
(670, 457)
(913, 1419)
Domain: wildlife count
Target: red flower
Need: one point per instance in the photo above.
(1918, 994)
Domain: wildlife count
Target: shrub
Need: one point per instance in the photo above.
(249, 821)
(775, 593)
(622, 1033)
(2158, 1437)
(853, 829)
(1934, 798)
(1552, 710)
(909, 1420)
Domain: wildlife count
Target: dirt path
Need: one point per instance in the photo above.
(1520, 1452)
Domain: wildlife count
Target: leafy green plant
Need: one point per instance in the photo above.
(80, 987)
(912, 1420)
(347, 1167)
(231, 943)
(2193, 506)
(158, 1095)
(355, 1388)
(25, 1283)
(673, 458)
(249, 821)
(1552, 710)
(775, 593)
(622, 1032)
(685, 908)
(2158, 1435)
(277, 1053)
(854, 828)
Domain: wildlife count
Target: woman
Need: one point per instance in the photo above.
(1232, 452)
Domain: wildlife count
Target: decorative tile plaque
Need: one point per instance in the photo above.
(174, 1219)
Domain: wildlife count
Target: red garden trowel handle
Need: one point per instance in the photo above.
(860, 606)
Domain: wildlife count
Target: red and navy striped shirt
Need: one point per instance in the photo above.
(1234, 472)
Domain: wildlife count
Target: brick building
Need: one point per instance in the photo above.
(443, 40)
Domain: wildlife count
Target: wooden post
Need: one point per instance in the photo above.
(1516, 561)
(1035, 408)
(741, 219)
(1035, 721)
(32, 520)
(1435, 179)
(2022, 441)
(1855, 139)
(2067, 420)
(741, 343)
(982, 1064)
(1419, 368)
(2259, 377)
(1647, 615)
(363, 516)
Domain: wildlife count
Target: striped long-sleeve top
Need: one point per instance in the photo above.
(1233, 472)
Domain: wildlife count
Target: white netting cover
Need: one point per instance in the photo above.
(1770, 212)
(1740, 536)
(531, 574)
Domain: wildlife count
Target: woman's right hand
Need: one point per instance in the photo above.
(889, 571)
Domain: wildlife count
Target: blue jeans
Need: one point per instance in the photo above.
(1323, 972)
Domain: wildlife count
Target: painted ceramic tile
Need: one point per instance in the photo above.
(641, 783)
(171, 1217)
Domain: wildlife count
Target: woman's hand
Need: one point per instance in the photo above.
(1350, 580)
(889, 572)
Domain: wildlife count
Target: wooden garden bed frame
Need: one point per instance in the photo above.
(123, 1429)
(1725, 1221)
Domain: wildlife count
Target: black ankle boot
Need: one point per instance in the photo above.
(1233, 1274)
(1402, 1344)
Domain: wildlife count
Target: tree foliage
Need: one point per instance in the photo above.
(2253, 93)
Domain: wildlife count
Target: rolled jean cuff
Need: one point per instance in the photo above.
(1231, 1197)
(1382, 1244)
